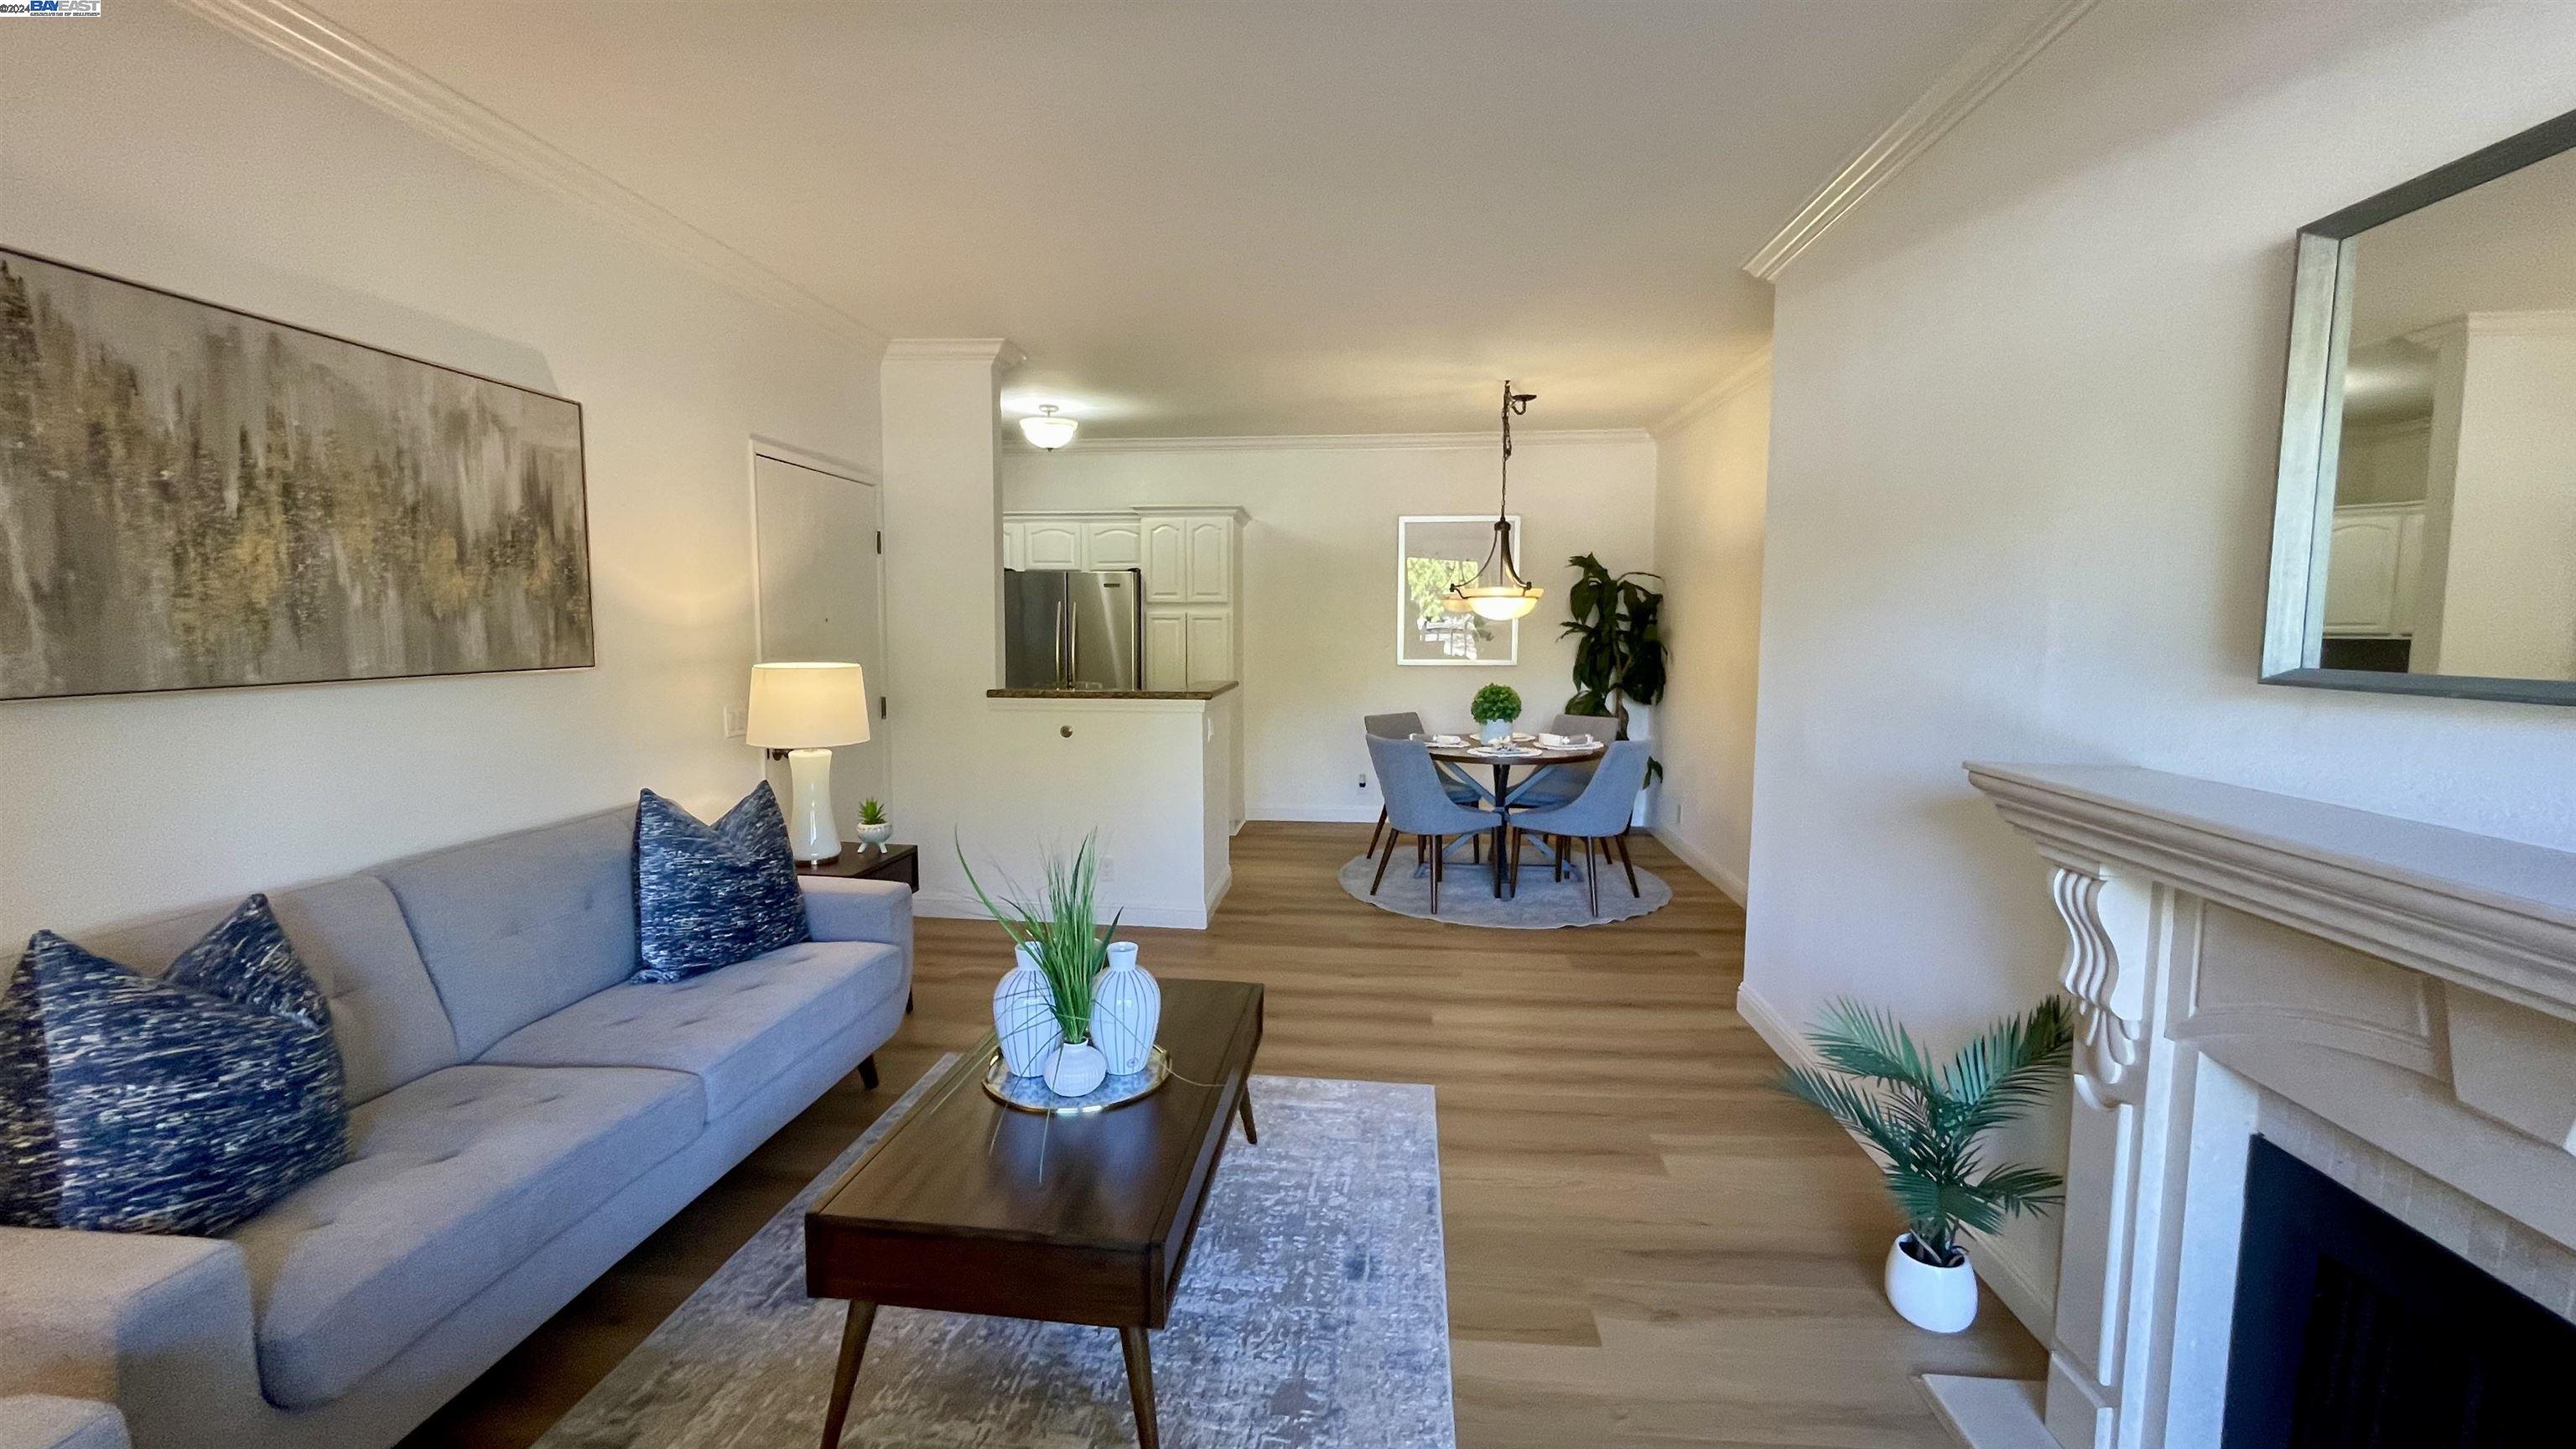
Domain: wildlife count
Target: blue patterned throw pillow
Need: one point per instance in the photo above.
(710, 895)
(184, 1103)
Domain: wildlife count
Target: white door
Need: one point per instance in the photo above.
(1167, 568)
(1054, 543)
(1112, 543)
(820, 598)
(1167, 649)
(1211, 634)
(1211, 560)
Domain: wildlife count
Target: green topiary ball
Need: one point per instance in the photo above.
(1495, 703)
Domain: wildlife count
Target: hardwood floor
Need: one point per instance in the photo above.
(1647, 1247)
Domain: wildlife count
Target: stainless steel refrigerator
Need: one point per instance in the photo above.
(1073, 629)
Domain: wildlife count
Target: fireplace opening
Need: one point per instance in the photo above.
(2355, 1331)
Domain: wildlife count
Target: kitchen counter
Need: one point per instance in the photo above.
(1211, 692)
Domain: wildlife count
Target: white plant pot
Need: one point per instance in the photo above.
(1494, 732)
(1076, 1070)
(1943, 1300)
(1024, 1017)
(1126, 1011)
(876, 835)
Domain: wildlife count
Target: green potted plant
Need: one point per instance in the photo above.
(874, 828)
(1042, 1006)
(1617, 624)
(1495, 707)
(1923, 1125)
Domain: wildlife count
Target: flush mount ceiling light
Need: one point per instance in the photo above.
(1046, 430)
(1508, 596)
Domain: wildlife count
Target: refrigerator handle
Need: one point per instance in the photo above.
(1060, 676)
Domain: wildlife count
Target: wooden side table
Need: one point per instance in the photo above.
(870, 862)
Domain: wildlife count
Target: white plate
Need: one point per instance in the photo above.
(1502, 752)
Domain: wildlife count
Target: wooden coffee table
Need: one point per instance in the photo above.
(968, 1206)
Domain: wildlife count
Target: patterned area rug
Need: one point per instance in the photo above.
(1541, 904)
(1313, 1314)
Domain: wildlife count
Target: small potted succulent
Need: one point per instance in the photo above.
(1495, 707)
(1922, 1123)
(874, 828)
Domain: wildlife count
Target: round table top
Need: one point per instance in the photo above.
(1470, 751)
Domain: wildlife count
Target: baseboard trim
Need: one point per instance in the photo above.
(1701, 861)
(2002, 1269)
(1317, 814)
(1217, 890)
(966, 908)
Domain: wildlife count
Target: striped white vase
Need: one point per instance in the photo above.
(1126, 1011)
(1024, 1016)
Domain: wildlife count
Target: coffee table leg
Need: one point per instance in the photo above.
(854, 1342)
(1251, 1134)
(1140, 1386)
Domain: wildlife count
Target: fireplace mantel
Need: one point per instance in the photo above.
(2232, 954)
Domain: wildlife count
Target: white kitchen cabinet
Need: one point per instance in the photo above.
(2374, 558)
(1211, 560)
(1112, 543)
(1054, 543)
(1210, 636)
(1166, 565)
(1167, 649)
(1015, 545)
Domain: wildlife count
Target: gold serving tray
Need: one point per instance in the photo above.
(1030, 1094)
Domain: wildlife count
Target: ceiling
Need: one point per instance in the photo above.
(1202, 218)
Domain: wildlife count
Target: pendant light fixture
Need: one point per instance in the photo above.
(1510, 595)
(1046, 430)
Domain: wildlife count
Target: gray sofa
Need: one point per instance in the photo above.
(521, 1118)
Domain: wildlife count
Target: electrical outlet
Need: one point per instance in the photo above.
(1363, 782)
(737, 721)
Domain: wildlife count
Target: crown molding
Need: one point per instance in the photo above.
(1995, 58)
(1356, 442)
(322, 48)
(998, 351)
(1756, 368)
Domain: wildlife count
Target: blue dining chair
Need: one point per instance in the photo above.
(1600, 813)
(1404, 726)
(1417, 805)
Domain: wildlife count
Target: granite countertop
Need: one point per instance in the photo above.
(1211, 692)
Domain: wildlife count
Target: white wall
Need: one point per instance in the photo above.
(2027, 406)
(1319, 578)
(150, 146)
(1010, 780)
(1711, 468)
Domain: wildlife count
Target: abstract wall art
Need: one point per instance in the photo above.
(193, 498)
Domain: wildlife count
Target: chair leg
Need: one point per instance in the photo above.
(1591, 879)
(1621, 840)
(1439, 850)
(1559, 851)
(1476, 849)
(1393, 839)
(1377, 829)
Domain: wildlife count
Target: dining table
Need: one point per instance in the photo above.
(1459, 757)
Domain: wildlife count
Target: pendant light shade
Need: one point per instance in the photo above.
(1509, 596)
(1046, 430)
(1503, 602)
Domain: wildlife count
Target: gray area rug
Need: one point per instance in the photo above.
(1313, 1314)
(1541, 904)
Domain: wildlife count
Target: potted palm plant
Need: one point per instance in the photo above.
(1923, 1124)
(1042, 1006)
(1617, 626)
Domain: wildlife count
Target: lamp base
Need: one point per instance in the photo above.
(812, 834)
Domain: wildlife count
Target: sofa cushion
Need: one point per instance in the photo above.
(452, 1181)
(711, 895)
(49, 1421)
(520, 925)
(736, 1030)
(349, 933)
(176, 1104)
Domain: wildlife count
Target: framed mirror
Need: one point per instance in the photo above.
(2424, 536)
(1433, 552)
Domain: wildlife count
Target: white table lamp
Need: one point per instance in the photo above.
(806, 709)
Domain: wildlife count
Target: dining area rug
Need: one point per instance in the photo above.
(1312, 1314)
(1542, 903)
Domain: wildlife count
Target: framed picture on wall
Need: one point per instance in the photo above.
(1432, 553)
(193, 497)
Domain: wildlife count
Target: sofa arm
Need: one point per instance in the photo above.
(46, 1421)
(860, 910)
(160, 1326)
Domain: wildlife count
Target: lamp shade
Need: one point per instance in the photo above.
(1046, 430)
(807, 706)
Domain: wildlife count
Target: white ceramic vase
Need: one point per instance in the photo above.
(1943, 1300)
(1076, 1070)
(1126, 1011)
(1024, 1017)
(1495, 731)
